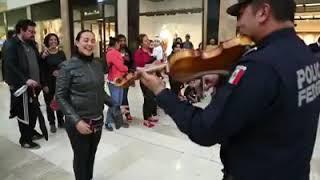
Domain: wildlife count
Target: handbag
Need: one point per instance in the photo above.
(54, 104)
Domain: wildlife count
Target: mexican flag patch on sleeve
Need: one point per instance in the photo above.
(237, 74)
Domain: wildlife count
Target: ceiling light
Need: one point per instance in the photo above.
(312, 4)
(306, 17)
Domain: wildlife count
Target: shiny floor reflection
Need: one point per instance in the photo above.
(161, 153)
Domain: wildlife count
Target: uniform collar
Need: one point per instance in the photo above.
(282, 33)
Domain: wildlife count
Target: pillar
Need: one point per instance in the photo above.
(227, 23)
(64, 8)
(122, 17)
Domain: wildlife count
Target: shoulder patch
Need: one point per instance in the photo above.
(237, 74)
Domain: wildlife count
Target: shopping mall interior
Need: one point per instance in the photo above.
(157, 18)
(136, 153)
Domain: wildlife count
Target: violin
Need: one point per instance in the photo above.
(187, 65)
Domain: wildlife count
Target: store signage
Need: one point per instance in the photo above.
(90, 13)
(13, 4)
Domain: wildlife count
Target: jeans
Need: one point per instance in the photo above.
(125, 101)
(117, 96)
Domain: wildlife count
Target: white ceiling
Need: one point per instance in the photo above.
(307, 1)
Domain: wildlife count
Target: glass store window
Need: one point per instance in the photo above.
(2, 39)
(2, 29)
(169, 19)
(48, 20)
(14, 16)
(98, 17)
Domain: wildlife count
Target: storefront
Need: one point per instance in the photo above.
(157, 18)
(14, 16)
(168, 19)
(172, 18)
(2, 39)
(2, 29)
(47, 17)
(99, 17)
(307, 20)
(308, 30)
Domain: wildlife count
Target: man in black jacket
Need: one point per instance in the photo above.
(22, 67)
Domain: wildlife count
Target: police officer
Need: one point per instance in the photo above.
(265, 115)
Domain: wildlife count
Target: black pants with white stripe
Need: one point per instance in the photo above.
(26, 130)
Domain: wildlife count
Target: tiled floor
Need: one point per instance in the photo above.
(136, 153)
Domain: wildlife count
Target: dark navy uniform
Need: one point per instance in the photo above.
(265, 117)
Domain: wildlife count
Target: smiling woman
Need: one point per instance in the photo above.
(81, 97)
(85, 42)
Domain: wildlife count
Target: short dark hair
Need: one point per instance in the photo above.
(282, 10)
(10, 34)
(24, 24)
(113, 41)
(47, 38)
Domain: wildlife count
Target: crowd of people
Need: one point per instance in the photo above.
(264, 116)
(73, 88)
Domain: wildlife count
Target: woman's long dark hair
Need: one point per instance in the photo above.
(75, 51)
